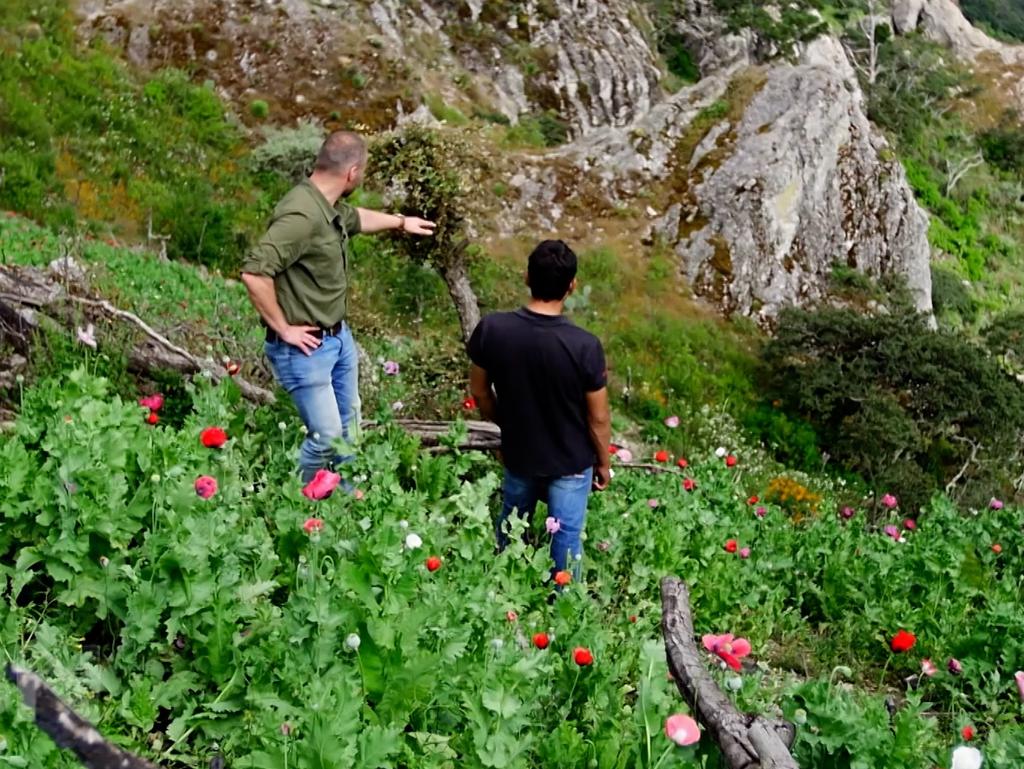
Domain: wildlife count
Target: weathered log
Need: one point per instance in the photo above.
(746, 741)
(68, 729)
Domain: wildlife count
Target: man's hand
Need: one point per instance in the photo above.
(413, 225)
(602, 477)
(300, 336)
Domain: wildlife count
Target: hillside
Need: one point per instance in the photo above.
(799, 231)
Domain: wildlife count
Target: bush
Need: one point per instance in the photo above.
(259, 109)
(893, 401)
(288, 152)
(950, 297)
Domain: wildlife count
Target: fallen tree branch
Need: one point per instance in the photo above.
(746, 741)
(26, 293)
(68, 729)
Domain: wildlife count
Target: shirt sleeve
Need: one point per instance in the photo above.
(595, 369)
(475, 348)
(350, 218)
(283, 243)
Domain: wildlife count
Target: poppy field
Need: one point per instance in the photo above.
(184, 592)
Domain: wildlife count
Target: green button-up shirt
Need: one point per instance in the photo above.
(306, 251)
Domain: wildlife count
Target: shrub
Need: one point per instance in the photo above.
(888, 397)
(259, 109)
(950, 296)
(288, 152)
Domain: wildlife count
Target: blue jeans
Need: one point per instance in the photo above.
(325, 388)
(566, 498)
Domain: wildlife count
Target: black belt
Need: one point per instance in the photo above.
(320, 333)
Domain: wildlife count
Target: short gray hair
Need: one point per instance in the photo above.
(340, 151)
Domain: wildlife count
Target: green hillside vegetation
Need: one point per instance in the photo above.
(1005, 18)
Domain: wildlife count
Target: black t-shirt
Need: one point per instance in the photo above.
(542, 367)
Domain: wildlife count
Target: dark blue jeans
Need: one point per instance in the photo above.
(566, 498)
(325, 388)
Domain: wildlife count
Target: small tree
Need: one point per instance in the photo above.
(424, 173)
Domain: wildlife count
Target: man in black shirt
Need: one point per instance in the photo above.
(544, 382)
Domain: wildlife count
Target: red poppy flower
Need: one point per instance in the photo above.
(563, 578)
(731, 546)
(232, 368)
(632, 618)
(433, 563)
(213, 437)
(967, 733)
(903, 641)
(997, 548)
(313, 525)
(541, 640)
(469, 404)
(909, 524)
(613, 449)
(689, 484)
(322, 485)
(753, 500)
(582, 656)
(152, 418)
(661, 456)
(683, 464)
(730, 461)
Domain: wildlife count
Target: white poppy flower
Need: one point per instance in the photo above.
(966, 758)
(720, 452)
(413, 541)
(352, 641)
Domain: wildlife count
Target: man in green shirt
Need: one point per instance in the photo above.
(297, 277)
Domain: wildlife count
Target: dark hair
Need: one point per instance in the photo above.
(340, 151)
(551, 269)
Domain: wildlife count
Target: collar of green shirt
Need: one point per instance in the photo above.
(330, 212)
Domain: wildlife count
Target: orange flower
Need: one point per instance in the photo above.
(563, 578)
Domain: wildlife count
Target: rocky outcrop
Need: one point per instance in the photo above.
(767, 201)
(944, 22)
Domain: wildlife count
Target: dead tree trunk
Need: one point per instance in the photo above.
(456, 276)
(68, 729)
(746, 741)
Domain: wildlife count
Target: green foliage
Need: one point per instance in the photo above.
(428, 171)
(80, 137)
(288, 153)
(543, 129)
(259, 109)
(443, 112)
(1004, 146)
(1005, 17)
(897, 403)
(219, 625)
(796, 22)
(951, 299)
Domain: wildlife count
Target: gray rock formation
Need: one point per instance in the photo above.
(944, 22)
(764, 203)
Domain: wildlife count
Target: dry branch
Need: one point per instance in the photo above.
(746, 741)
(68, 729)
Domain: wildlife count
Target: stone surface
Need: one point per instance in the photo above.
(944, 22)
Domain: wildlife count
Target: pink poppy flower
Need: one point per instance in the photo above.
(954, 666)
(153, 402)
(511, 616)
(323, 483)
(553, 525)
(313, 526)
(847, 513)
(909, 524)
(672, 422)
(604, 545)
(889, 501)
(1019, 678)
(682, 729)
(206, 486)
(995, 504)
(729, 648)
(652, 503)
(624, 455)
(893, 532)
(745, 553)
(928, 668)
(761, 512)
(391, 368)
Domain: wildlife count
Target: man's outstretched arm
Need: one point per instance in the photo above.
(483, 393)
(599, 418)
(378, 221)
